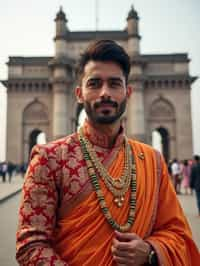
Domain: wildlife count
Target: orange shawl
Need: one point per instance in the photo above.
(83, 236)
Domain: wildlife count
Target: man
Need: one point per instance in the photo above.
(176, 173)
(10, 169)
(195, 179)
(3, 171)
(96, 197)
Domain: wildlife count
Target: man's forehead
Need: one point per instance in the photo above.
(98, 68)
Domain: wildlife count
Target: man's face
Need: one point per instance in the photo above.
(103, 92)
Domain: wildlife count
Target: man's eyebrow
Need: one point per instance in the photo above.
(97, 78)
(116, 78)
(93, 78)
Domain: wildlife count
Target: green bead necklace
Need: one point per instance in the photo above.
(96, 185)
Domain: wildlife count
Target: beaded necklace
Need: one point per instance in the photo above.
(91, 167)
(118, 187)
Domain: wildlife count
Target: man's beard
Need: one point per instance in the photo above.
(105, 117)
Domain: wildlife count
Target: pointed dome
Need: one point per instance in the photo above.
(132, 14)
(61, 15)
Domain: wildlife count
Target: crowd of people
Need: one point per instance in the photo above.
(8, 170)
(186, 176)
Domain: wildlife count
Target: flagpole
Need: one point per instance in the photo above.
(96, 14)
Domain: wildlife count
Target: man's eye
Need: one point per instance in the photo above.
(115, 83)
(93, 83)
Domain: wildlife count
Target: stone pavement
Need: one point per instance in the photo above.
(188, 203)
(7, 190)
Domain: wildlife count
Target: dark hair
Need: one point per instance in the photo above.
(104, 50)
(196, 158)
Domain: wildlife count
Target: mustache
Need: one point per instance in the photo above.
(108, 101)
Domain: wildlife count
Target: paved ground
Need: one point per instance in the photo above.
(9, 210)
(189, 206)
(7, 190)
(8, 221)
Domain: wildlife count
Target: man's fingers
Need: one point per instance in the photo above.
(125, 237)
(121, 245)
(119, 253)
(120, 260)
(123, 261)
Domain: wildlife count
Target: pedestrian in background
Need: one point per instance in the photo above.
(3, 171)
(10, 171)
(195, 180)
(186, 171)
(176, 175)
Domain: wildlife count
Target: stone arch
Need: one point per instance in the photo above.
(162, 118)
(35, 120)
(161, 107)
(33, 138)
(35, 112)
(164, 141)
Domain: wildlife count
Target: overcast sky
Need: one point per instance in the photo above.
(171, 26)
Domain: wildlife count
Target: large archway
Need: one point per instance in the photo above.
(35, 123)
(36, 137)
(157, 140)
(33, 138)
(160, 141)
(162, 120)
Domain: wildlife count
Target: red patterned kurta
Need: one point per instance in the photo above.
(57, 183)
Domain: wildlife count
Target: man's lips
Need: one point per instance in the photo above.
(105, 108)
(105, 104)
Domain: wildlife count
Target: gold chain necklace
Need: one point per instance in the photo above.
(94, 180)
(118, 187)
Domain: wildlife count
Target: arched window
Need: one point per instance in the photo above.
(161, 108)
(35, 112)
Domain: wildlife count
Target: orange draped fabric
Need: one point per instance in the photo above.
(83, 236)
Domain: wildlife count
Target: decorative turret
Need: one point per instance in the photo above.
(61, 34)
(61, 67)
(132, 14)
(135, 110)
(61, 24)
(133, 32)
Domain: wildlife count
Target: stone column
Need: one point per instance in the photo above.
(61, 68)
(61, 84)
(59, 111)
(135, 113)
(135, 110)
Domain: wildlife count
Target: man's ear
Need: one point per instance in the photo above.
(129, 90)
(78, 93)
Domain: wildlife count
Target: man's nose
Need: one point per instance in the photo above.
(105, 90)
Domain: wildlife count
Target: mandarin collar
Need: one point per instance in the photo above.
(100, 139)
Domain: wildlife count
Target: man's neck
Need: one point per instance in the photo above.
(111, 131)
